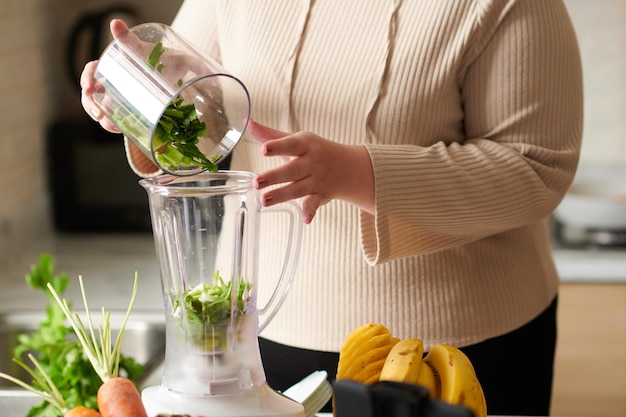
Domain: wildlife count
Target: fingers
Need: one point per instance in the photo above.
(87, 85)
(310, 204)
(88, 88)
(263, 133)
(300, 164)
(310, 201)
(293, 191)
(118, 28)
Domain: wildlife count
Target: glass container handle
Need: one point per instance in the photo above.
(288, 271)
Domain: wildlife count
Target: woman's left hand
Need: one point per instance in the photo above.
(316, 170)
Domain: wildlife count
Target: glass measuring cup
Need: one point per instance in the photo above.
(178, 106)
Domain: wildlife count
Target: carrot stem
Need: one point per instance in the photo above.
(103, 356)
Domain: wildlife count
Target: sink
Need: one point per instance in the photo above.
(144, 340)
(16, 402)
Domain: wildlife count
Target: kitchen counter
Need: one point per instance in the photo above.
(17, 403)
(591, 265)
(108, 264)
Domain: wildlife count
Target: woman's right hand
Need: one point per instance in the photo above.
(88, 85)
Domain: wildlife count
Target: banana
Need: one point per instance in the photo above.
(369, 363)
(357, 337)
(364, 345)
(371, 354)
(404, 362)
(427, 378)
(459, 384)
(370, 373)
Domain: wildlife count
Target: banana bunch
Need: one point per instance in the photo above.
(364, 353)
(371, 354)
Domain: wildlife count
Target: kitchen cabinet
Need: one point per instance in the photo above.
(590, 367)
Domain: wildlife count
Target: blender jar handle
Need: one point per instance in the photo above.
(288, 271)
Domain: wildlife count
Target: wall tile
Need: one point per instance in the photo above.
(602, 39)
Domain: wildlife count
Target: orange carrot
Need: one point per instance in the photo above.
(82, 412)
(118, 397)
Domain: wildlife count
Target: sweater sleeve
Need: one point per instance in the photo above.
(522, 103)
(198, 22)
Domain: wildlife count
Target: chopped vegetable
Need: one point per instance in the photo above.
(179, 129)
(210, 306)
(117, 396)
(155, 55)
(177, 135)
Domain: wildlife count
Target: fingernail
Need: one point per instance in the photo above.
(95, 113)
(267, 150)
(258, 183)
(267, 200)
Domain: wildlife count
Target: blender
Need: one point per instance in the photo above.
(206, 232)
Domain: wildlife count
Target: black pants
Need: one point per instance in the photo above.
(515, 369)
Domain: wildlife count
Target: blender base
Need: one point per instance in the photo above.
(258, 402)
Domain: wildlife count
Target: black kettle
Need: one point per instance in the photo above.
(90, 35)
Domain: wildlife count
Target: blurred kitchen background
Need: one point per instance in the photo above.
(43, 47)
(95, 221)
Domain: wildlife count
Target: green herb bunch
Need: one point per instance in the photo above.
(61, 356)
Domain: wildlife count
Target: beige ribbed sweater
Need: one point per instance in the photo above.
(471, 111)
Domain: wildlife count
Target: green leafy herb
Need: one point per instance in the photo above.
(177, 135)
(43, 386)
(58, 354)
(207, 310)
(155, 55)
(179, 129)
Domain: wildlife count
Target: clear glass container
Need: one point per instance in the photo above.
(177, 105)
(206, 232)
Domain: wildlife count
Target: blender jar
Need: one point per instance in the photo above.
(206, 231)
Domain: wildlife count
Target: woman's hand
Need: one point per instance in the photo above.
(88, 87)
(174, 66)
(316, 170)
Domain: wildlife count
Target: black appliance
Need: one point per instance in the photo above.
(92, 186)
(390, 399)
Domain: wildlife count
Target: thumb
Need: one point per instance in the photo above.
(263, 133)
(118, 28)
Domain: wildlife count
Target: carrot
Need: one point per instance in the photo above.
(117, 396)
(49, 391)
(82, 412)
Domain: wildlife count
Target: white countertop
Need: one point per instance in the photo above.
(592, 265)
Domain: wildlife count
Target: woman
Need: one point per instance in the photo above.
(427, 141)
